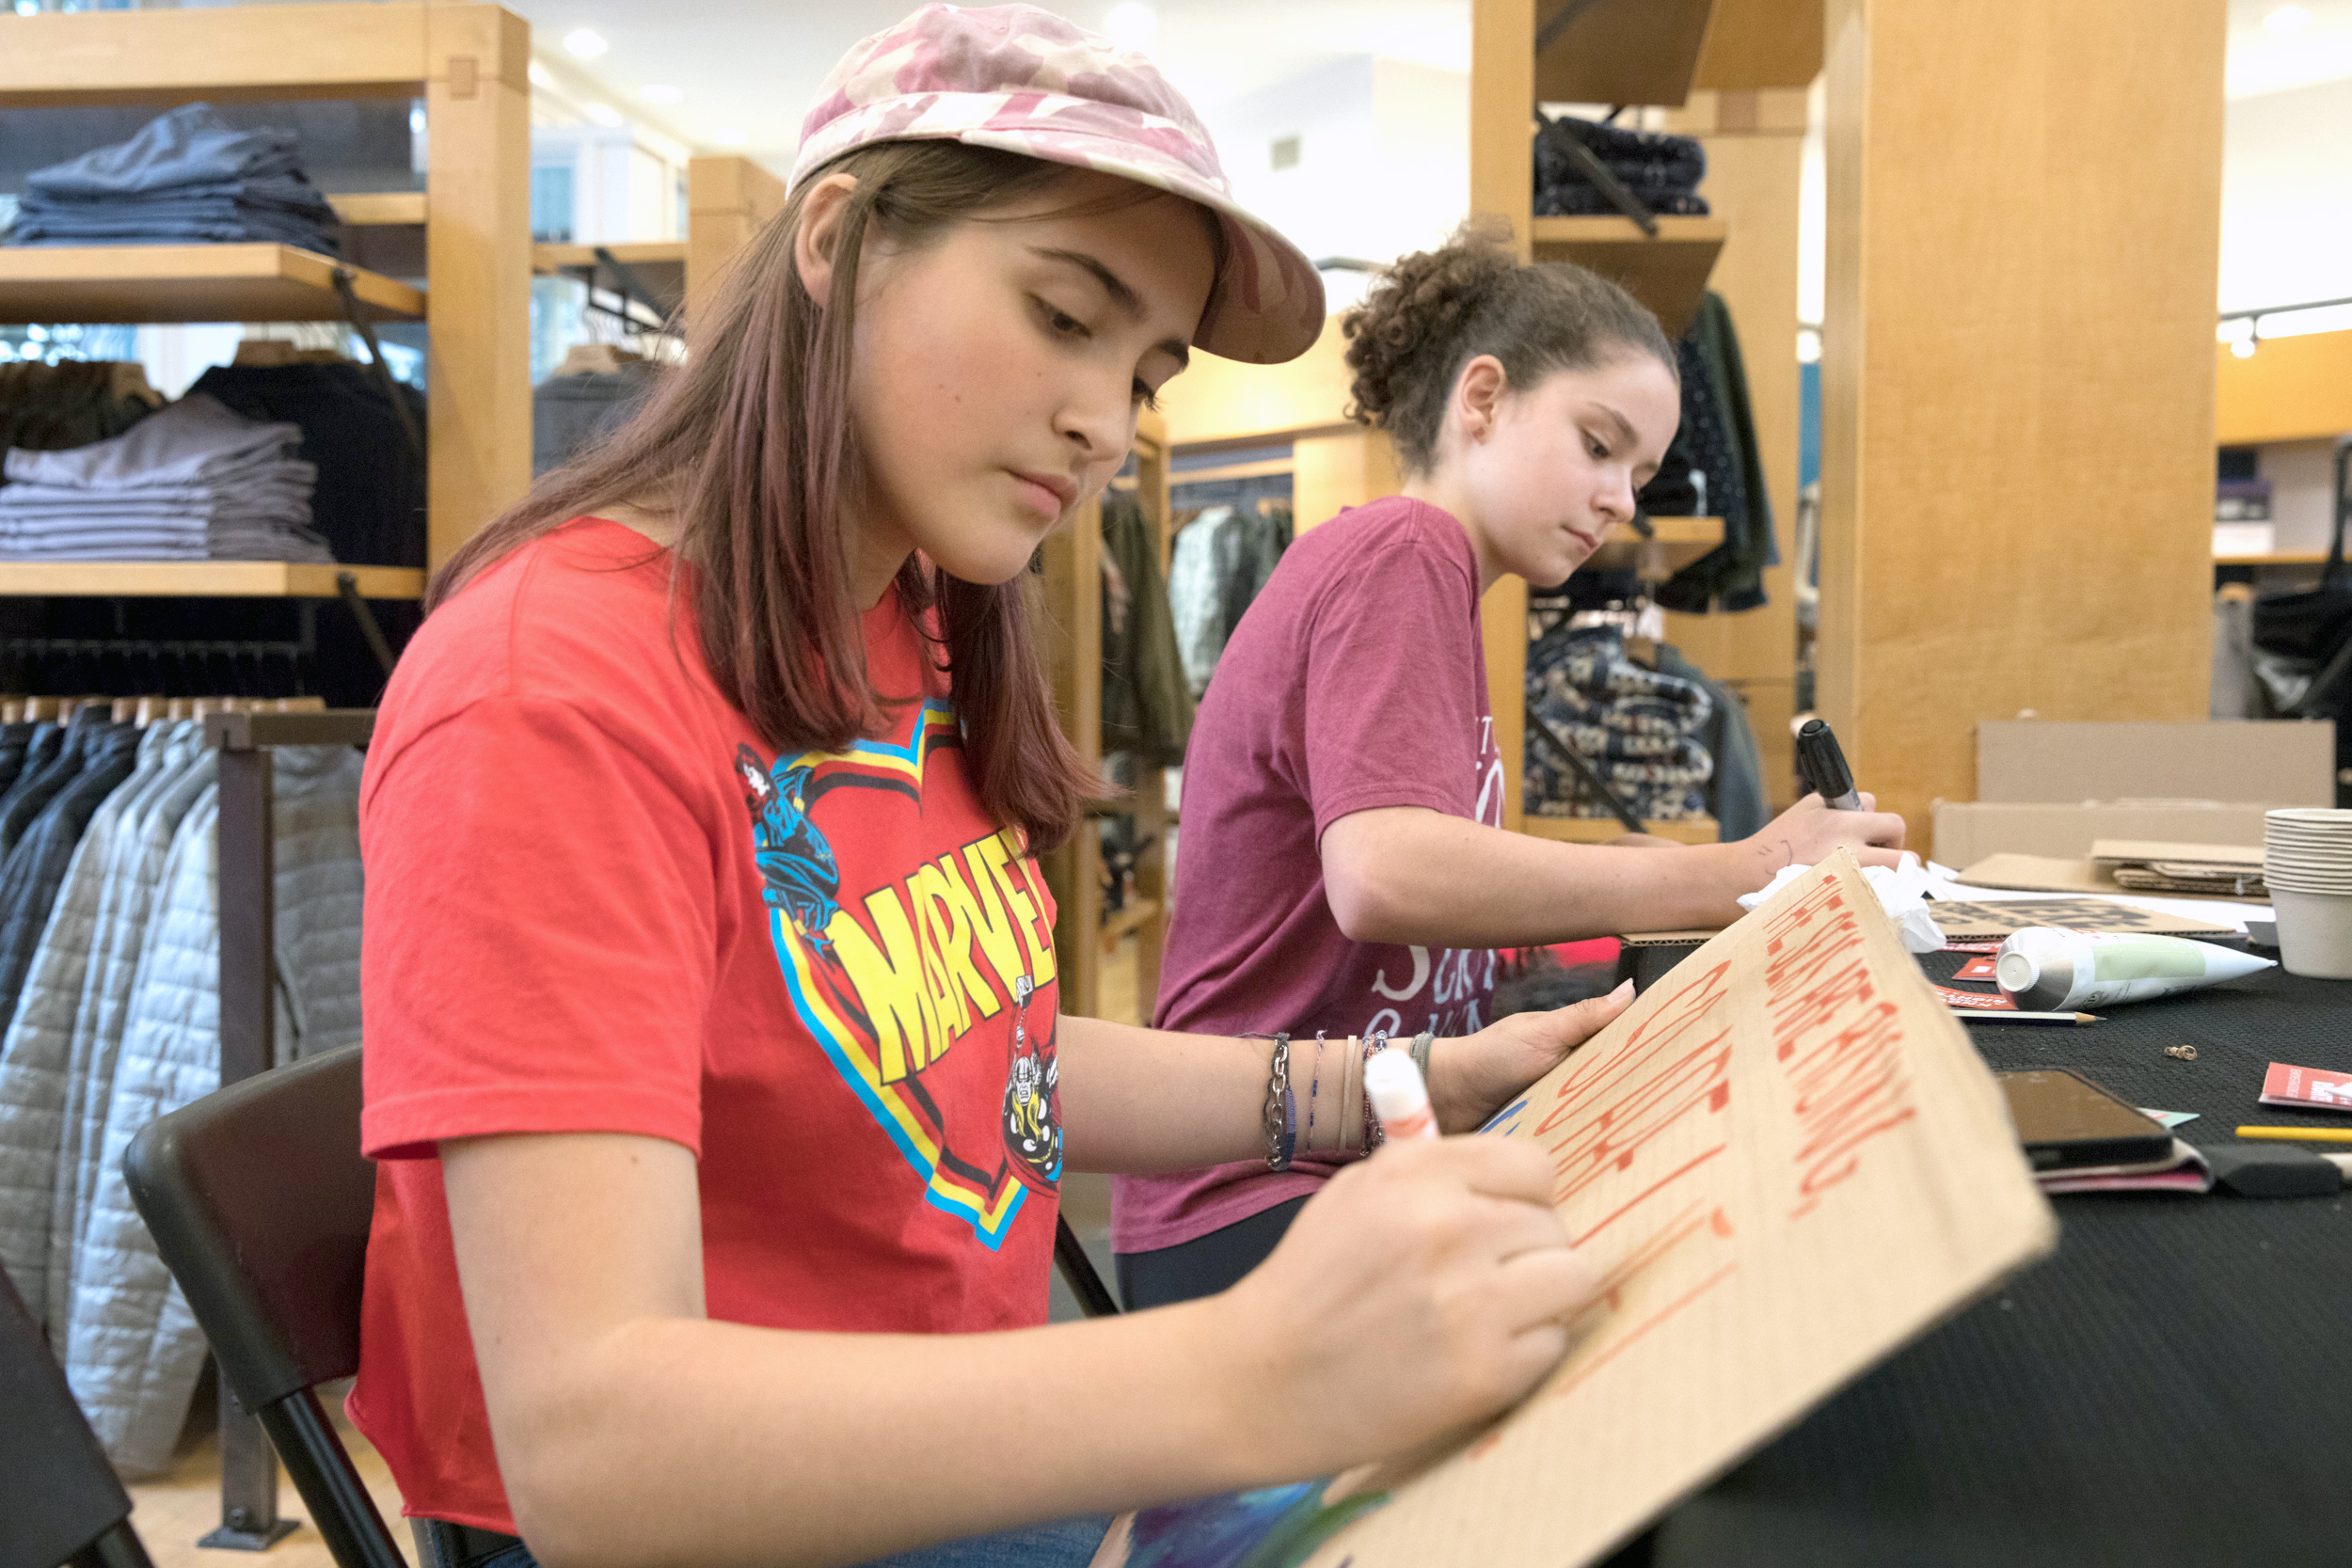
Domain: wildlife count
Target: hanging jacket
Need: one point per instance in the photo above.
(1637, 728)
(1735, 790)
(41, 781)
(1718, 433)
(13, 741)
(36, 868)
(1147, 706)
(131, 1349)
(35, 1055)
(124, 902)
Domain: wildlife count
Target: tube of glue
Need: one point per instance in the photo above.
(1399, 1098)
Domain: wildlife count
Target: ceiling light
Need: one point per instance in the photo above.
(730, 138)
(603, 113)
(539, 78)
(1133, 25)
(585, 44)
(660, 94)
(2243, 348)
(2288, 19)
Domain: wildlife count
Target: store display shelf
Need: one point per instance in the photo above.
(1603, 830)
(1667, 271)
(1129, 918)
(368, 209)
(188, 283)
(222, 580)
(2276, 558)
(1679, 541)
(547, 258)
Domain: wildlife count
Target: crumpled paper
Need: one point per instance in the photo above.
(1902, 893)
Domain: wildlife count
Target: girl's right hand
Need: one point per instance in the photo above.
(1422, 1291)
(1806, 832)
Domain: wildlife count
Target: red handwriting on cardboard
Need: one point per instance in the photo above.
(1838, 1041)
(1676, 1062)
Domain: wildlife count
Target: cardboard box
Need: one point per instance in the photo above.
(1967, 832)
(2275, 763)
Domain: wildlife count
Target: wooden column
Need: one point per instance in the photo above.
(1755, 145)
(1071, 588)
(478, 260)
(1503, 185)
(727, 202)
(2017, 373)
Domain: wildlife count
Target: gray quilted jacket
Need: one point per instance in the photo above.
(37, 1069)
(145, 1039)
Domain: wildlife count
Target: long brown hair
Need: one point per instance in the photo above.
(749, 446)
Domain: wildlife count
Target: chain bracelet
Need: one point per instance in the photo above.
(1282, 1111)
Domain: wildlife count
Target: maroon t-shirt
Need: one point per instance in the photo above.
(1358, 680)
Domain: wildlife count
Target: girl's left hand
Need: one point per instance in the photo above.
(1472, 1077)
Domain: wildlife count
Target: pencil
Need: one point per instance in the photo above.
(2056, 1020)
(2300, 1134)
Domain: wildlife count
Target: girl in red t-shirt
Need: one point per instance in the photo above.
(710, 994)
(1345, 751)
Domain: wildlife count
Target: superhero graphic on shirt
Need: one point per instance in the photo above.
(943, 956)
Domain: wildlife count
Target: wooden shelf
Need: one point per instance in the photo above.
(1667, 272)
(368, 209)
(1130, 917)
(1605, 829)
(1679, 542)
(2277, 558)
(1620, 51)
(187, 283)
(225, 579)
(547, 258)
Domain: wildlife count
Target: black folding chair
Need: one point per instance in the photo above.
(59, 1501)
(260, 1203)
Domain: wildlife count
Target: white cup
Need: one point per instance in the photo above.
(2315, 932)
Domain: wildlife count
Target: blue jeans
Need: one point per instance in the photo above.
(1064, 1544)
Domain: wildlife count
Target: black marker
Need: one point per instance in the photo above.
(1822, 766)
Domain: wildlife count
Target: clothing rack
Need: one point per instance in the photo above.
(248, 968)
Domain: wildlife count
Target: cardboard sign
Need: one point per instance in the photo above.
(1784, 1160)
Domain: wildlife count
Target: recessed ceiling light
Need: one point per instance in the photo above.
(730, 138)
(603, 113)
(585, 44)
(539, 78)
(657, 93)
(2288, 19)
(2243, 348)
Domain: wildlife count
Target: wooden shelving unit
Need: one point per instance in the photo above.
(1667, 271)
(225, 579)
(468, 62)
(1072, 592)
(1604, 829)
(727, 200)
(2288, 389)
(2277, 558)
(1675, 542)
(189, 283)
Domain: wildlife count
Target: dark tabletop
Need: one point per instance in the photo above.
(2173, 1385)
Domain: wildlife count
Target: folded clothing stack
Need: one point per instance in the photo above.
(1636, 728)
(185, 177)
(1662, 172)
(192, 482)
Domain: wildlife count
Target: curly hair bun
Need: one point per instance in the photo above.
(1433, 311)
(1404, 332)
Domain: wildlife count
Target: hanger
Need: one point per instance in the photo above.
(271, 353)
(598, 359)
(127, 378)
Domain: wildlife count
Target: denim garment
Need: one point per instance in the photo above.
(185, 176)
(188, 146)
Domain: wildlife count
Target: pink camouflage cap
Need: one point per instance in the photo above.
(1025, 81)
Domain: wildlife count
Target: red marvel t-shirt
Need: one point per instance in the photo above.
(1357, 680)
(596, 903)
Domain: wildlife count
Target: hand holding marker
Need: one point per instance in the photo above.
(1821, 764)
(1399, 1098)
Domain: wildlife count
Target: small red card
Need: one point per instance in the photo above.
(1978, 968)
(1976, 1001)
(2307, 1089)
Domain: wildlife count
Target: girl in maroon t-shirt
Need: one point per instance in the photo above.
(1344, 753)
(715, 1065)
